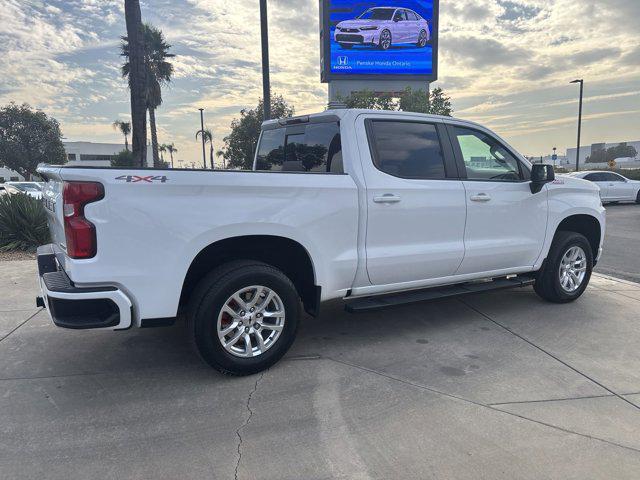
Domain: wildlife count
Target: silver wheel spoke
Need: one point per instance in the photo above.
(229, 329)
(273, 314)
(261, 345)
(275, 328)
(248, 348)
(234, 339)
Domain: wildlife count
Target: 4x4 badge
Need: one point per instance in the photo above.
(147, 179)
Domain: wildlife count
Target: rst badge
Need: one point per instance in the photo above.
(146, 179)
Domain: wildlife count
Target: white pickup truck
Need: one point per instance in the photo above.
(375, 208)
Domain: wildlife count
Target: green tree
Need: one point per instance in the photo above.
(607, 155)
(240, 144)
(436, 102)
(369, 100)
(137, 80)
(124, 159)
(29, 137)
(208, 138)
(158, 72)
(125, 129)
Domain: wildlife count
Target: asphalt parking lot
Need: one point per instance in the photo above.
(497, 385)
(622, 240)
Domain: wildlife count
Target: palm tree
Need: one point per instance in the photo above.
(220, 153)
(125, 129)
(158, 73)
(171, 149)
(208, 138)
(137, 79)
(162, 148)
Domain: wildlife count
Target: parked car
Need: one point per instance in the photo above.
(613, 186)
(33, 189)
(8, 189)
(383, 27)
(374, 208)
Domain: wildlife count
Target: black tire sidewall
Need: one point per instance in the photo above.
(206, 318)
(558, 251)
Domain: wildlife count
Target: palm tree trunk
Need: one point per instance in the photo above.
(126, 143)
(137, 81)
(154, 136)
(171, 152)
(213, 164)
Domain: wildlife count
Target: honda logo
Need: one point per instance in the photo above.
(343, 60)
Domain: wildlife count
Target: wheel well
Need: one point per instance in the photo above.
(282, 253)
(587, 226)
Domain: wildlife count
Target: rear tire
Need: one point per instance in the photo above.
(638, 197)
(549, 281)
(213, 294)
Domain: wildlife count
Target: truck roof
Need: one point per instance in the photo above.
(339, 113)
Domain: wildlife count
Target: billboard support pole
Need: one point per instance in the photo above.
(581, 82)
(266, 84)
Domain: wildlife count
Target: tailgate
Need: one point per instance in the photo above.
(52, 202)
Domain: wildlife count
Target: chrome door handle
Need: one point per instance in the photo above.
(387, 198)
(481, 197)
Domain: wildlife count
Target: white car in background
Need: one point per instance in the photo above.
(33, 189)
(383, 27)
(613, 186)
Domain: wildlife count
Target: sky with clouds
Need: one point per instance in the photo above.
(505, 63)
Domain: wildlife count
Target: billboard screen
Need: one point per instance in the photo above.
(383, 39)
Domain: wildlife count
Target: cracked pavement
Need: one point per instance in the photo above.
(497, 385)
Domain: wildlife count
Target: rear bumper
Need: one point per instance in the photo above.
(76, 307)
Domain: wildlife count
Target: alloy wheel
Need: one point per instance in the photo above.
(573, 268)
(251, 321)
(385, 39)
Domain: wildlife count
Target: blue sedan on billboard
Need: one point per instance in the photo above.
(383, 27)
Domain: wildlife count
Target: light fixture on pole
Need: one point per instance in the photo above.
(266, 84)
(581, 82)
(204, 154)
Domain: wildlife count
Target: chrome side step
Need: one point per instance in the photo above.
(366, 304)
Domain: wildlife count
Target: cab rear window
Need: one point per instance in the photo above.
(310, 148)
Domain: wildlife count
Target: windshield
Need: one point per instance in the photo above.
(27, 187)
(378, 14)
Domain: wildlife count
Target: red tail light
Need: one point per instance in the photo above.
(80, 232)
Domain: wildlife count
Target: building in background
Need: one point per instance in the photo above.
(7, 175)
(88, 154)
(587, 151)
(97, 154)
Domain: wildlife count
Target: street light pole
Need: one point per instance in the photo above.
(266, 84)
(204, 154)
(581, 82)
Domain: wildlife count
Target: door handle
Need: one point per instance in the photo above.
(387, 198)
(481, 197)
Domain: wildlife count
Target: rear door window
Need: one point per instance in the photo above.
(312, 148)
(407, 149)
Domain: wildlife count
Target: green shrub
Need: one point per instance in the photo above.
(123, 159)
(23, 223)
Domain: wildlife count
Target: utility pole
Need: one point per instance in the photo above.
(581, 82)
(204, 154)
(266, 84)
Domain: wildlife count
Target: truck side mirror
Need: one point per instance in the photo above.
(541, 174)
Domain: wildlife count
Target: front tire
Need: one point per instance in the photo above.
(422, 39)
(638, 197)
(567, 270)
(243, 317)
(385, 40)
